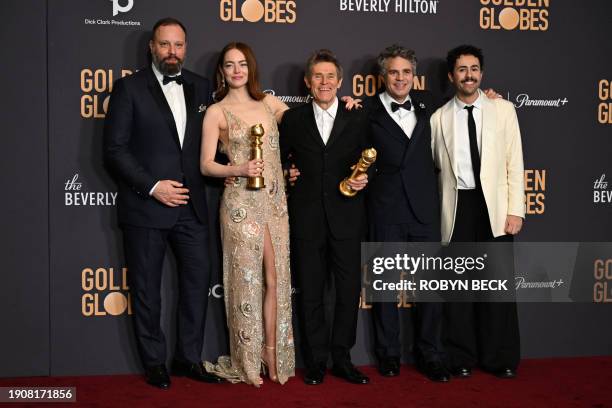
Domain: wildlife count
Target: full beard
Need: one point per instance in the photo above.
(169, 68)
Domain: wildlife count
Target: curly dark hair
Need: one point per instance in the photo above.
(454, 54)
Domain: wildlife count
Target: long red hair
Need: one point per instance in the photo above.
(253, 86)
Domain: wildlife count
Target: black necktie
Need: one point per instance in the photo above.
(178, 79)
(473, 146)
(406, 105)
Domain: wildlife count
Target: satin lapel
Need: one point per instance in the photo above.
(311, 125)
(164, 108)
(421, 117)
(189, 91)
(381, 116)
(340, 123)
(448, 132)
(489, 119)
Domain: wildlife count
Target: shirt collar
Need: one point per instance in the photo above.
(332, 110)
(386, 99)
(159, 75)
(460, 105)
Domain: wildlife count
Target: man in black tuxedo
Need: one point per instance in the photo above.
(323, 140)
(152, 138)
(403, 203)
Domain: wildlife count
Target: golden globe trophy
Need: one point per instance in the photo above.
(257, 132)
(368, 157)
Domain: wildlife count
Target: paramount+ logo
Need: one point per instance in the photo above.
(253, 11)
(523, 15)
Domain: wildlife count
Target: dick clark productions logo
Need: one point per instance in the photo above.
(118, 8)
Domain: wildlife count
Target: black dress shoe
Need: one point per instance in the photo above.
(505, 373)
(461, 372)
(158, 376)
(314, 375)
(389, 366)
(195, 371)
(435, 371)
(350, 373)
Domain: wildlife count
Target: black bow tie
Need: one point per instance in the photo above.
(406, 105)
(178, 78)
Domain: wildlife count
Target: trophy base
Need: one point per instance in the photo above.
(346, 190)
(256, 183)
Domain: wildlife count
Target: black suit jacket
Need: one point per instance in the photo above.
(405, 178)
(315, 198)
(141, 147)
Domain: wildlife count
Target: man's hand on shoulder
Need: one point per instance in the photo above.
(170, 193)
(492, 94)
(351, 103)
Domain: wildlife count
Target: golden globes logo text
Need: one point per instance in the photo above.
(368, 85)
(96, 85)
(604, 110)
(602, 288)
(535, 192)
(523, 15)
(105, 292)
(253, 11)
(403, 298)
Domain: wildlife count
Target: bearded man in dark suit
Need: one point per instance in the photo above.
(152, 138)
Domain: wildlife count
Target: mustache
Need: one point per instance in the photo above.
(469, 79)
(172, 57)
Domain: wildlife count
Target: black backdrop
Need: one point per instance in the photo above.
(62, 299)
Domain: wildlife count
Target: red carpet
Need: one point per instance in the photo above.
(575, 382)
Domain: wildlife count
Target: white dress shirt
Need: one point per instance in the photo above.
(325, 119)
(176, 100)
(405, 119)
(465, 173)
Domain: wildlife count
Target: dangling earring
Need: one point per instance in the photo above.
(222, 82)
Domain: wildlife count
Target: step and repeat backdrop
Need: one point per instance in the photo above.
(551, 58)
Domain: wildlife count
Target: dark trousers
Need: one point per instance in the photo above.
(145, 249)
(314, 262)
(427, 316)
(480, 333)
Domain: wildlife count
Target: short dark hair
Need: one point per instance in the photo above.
(323, 55)
(393, 51)
(454, 54)
(167, 21)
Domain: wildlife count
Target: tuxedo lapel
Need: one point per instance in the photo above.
(421, 117)
(311, 126)
(162, 103)
(189, 91)
(448, 132)
(340, 123)
(381, 116)
(489, 119)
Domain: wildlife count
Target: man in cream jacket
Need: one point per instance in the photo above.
(476, 145)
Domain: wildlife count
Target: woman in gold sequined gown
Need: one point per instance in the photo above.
(254, 224)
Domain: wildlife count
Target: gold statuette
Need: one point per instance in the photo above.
(257, 132)
(368, 157)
